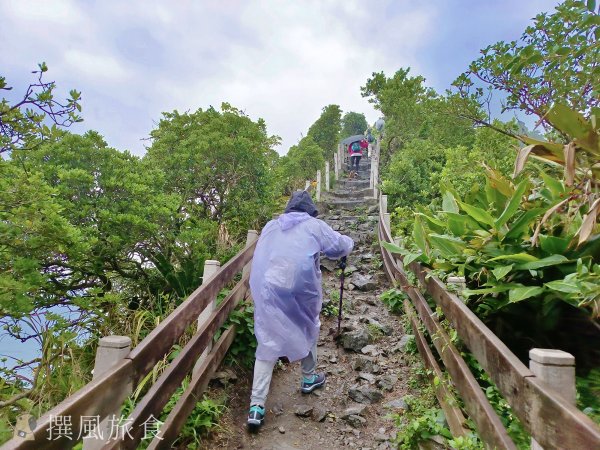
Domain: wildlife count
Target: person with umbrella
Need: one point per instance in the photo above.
(285, 282)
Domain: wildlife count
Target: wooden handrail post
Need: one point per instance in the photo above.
(327, 175)
(250, 238)
(111, 350)
(557, 369)
(211, 267)
(318, 185)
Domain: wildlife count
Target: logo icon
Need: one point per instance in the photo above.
(25, 426)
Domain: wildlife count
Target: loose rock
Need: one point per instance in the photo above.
(303, 410)
(362, 283)
(355, 340)
(365, 394)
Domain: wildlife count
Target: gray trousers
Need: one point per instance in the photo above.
(263, 372)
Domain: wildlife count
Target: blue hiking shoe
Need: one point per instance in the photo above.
(311, 383)
(256, 416)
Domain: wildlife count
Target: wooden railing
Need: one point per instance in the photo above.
(105, 394)
(551, 419)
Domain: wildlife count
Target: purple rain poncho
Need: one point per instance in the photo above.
(286, 283)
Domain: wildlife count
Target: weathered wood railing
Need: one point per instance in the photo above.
(551, 419)
(105, 394)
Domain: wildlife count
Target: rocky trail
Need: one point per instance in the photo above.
(366, 370)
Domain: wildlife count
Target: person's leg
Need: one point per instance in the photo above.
(310, 379)
(309, 363)
(357, 162)
(263, 372)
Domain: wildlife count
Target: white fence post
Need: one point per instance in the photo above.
(318, 185)
(307, 185)
(336, 167)
(211, 267)
(557, 369)
(326, 175)
(111, 350)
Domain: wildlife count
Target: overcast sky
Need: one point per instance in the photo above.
(279, 60)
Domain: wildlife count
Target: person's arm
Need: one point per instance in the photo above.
(333, 244)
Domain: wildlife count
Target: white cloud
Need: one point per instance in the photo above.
(281, 61)
(94, 66)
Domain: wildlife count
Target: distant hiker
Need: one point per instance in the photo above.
(355, 152)
(285, 282)
(370, 138)
(379, 124)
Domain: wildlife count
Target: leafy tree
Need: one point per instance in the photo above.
(556, 59)
(413, 174)
(27, 119)
(300, 164)
(217, 164)
(353, 123)
(325, 132)
(464, 169)
(414, 111)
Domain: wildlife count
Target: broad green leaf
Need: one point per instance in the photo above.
(553, 244)
(520, 257)
(522, 293)
(393, 247)
(449, 203)
(569, 121)
(555, 186)
(449, 246)
(434, 223)
(499, 182)
(544, 262)
(491, 290)
(419, 236)
(478, 214)
(523, 223)
(410, 257)
(501, 271)
(513, 204)
(591, 5)
(568, 287)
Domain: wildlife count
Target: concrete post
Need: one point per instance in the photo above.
(557, 369)
(111, 350)
(375, 179)
(335, 168)
(307, 185)
(211, 267)
(371, 173)
(326, 175)
(384, 205)
(386, 221)
(318, 185)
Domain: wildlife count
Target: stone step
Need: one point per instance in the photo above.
(355, 183)
(348, 204)
(350, 193)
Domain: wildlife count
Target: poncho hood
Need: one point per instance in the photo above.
(290, 220)
(301, 202)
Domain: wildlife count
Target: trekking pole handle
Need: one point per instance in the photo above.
(342, 263)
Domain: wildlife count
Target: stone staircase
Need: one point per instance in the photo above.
(366, 369)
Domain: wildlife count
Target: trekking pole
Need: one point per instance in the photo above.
(341, 265)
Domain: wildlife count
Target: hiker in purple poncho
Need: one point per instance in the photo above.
(286, 288)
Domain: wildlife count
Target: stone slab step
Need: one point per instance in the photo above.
(350, 193)
(353, 183)
(352, 203)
